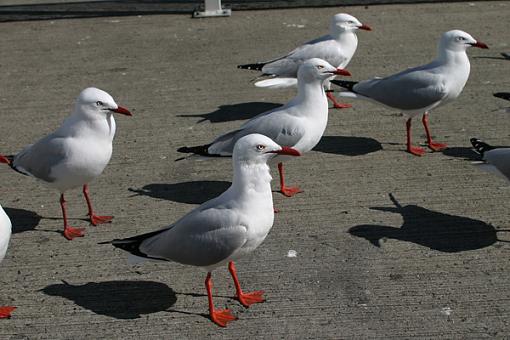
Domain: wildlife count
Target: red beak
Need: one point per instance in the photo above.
(342, 72)
(365, 27)
(122, 110)
(286, 150)
(480, 44)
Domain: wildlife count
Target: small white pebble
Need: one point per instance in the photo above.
(292, 253)
(446, 311)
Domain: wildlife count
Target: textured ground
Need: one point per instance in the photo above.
(431, 265)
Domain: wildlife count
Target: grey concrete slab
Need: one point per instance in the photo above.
(432, 268)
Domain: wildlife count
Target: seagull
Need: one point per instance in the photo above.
(421, 89)
(76, 153)
(337, 48)
(300, 123)
(5, 235)
(494, 159)
(223, 229)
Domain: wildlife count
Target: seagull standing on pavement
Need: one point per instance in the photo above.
(5, 236)
(337, 48)
(494, 160)
(75, 153)
(224, 228)
(418, 90)
(300, 123)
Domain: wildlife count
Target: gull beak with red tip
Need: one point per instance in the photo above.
(286, 150)
(480, 44)
(122, 111)
(342, 72)
(365, 27)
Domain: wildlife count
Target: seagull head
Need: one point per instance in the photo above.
(457, 40)
(343, 22)
(93, 101)
(256, 148)
(318, 69)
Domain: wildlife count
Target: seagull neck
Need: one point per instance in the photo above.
(446, 56)
(310, 91)
(251, 178)
(346, 38)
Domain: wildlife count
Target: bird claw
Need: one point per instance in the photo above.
(248, 299)
(5, 312)
(96, 219)
(290, 191)
(416, 150)
(437, 146)
(70, 232)
(222, 317)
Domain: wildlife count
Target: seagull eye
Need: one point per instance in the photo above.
(99, 103)
(461, 38)
(350, 22)
(260, 147)
(320, 67)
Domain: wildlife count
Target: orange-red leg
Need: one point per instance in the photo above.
(415, 150)
(336, 104)
(221, 317)
(69, 232)
(431, 144)
(246, 299)
(5, 311)
(94, 219)
(287, 191)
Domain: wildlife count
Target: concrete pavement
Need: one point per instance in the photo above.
(430, 266)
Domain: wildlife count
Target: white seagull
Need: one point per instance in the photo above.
(421, 89)
(494, 160)
(5, 235)
(300, 123)
(337, 48)
(75, 153)
(223, 229)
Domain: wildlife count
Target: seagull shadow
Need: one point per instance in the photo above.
(118, 299)
(432, 229)
(463, 152)
(348, 146)
(22, 220)
(195, 192)
(227, 113)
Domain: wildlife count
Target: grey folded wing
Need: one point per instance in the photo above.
(38, 159)
(409, 90)
(287, 66)
(201, 238)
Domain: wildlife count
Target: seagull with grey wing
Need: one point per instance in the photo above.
(337, 48)
(300, 123)
(223, 229)
(418, 90)
(76, 153)
(5, 236)
(495, 160)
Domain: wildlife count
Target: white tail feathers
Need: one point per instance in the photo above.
(277, 83)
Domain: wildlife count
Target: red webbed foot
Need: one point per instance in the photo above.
(70, 232)
(290, 191)
(416, 150)
(222, 317)
(5, 312)
(96, 219)
(248, 299)
(341, 106)
(437, 146)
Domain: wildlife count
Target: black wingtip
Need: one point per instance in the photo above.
(253, 67)
(479, 146)
(346, 84)
(502, 95)
(201, 150)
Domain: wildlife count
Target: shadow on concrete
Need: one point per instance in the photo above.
(226, 113)
(432, 229)
(118, 299)
(348, 146)
(195, 192)
(466, 153)
(22, 220)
